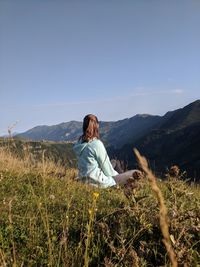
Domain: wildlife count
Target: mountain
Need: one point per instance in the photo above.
(174, 140)
(13, 134)
(129, 130)
(66, 131)
(182, 117)
(112, 133)
(165, 140)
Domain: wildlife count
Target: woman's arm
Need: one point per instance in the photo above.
(103, 160)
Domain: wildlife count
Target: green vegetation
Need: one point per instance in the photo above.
(174, 139)
(175, 136)
(59, 152)
(52, 220)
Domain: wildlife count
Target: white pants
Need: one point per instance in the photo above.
(123, 177)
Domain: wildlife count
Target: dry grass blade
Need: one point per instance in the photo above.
(163, 210)
(12, 234)
(2, 259)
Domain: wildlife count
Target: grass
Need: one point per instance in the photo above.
(52, 220)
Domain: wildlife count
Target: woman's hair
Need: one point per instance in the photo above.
(90, 128)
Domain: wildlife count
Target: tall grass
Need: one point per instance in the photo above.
(163, 210)
(25, 163)
(49, 220)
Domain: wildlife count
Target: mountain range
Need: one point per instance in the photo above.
(165, 140)
(174, 140)
(113, 133)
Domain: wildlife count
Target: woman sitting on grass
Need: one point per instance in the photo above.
(94, 164)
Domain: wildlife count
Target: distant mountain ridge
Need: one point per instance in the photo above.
(170, 139)
(66, 131)
(112, 133)
(182, 117)
(118, 133)
(174, 140)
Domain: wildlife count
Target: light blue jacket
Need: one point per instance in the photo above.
(94, 164)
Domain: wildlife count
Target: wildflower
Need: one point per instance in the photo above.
(95, 195)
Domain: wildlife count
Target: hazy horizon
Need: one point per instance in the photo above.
(24, 130)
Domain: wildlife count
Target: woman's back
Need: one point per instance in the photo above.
(94, 163)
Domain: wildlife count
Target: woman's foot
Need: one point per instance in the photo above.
(137, 175)
(133, 182)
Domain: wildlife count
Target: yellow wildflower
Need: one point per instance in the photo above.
(95, 195)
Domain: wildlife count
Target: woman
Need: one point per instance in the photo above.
(94, 164)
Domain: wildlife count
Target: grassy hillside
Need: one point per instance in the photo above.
(60, 153)
(48, 220)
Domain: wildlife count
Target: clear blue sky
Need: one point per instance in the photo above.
(62, 59)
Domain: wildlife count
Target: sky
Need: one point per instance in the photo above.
(63, 59)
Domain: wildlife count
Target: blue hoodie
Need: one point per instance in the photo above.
(94, 164)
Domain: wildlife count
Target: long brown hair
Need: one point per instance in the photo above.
(90, 128)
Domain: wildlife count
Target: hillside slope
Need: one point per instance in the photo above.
(182, 118)
(165, 140)
(60, 153)
(175, 141)
(129, 130)
(112, 133)
(49, 221)
(66, 131)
